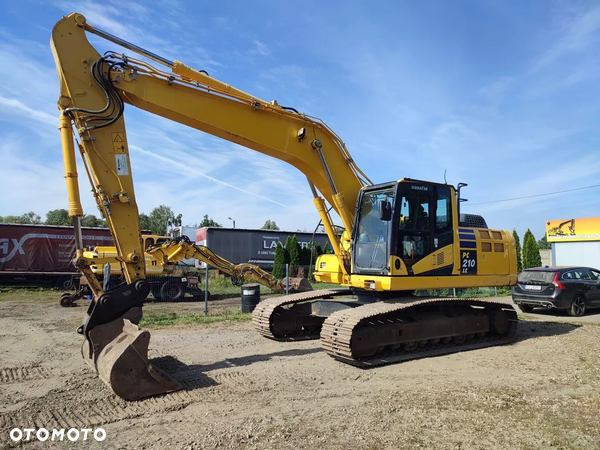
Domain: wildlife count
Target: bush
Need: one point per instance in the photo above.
(294, 250)
(279, 261)
(518, 248)
(531, 251)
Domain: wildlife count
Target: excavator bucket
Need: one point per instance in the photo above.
(118, 351)
(299, 284)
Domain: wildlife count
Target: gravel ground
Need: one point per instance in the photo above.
(245, 391)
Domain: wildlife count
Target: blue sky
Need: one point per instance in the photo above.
(502, 95)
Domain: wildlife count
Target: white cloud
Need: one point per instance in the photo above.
(495, 91)
(178, 168)
(289, 76)
(34, 184)
(11, 106)
(576, 34)
(109, 17)
(260, 49)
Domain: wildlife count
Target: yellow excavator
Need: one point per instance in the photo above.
(398, 237)
(170, 282)
(180, 248)
(103, 255)
(162, 257)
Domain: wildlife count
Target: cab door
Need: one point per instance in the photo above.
(425, 223)
(443, 234)
(414, 236)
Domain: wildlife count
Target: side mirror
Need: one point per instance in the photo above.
(385, 211)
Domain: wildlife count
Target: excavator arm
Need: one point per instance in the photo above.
(94, 89)
(182, 248)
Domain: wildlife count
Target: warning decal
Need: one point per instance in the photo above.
(121, 163)
(118, 142)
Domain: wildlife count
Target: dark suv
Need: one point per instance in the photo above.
(574, 289)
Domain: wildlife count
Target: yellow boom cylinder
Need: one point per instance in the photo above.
(68, 150)
(333, 237)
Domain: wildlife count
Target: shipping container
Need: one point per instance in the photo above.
(238, 245)
(42, 255)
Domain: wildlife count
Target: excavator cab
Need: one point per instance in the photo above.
(408, 219)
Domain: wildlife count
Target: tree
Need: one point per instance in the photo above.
(270, 225)
(90, 220)
(294, 251)
(30, 217)
(336, 228)
(519, 257)
(288, 246)
(145, 222)
(531, 252)
(161, 218)
(208, 222)
(543, 243)
(305, 254)
(327, 249)
(305, 257)
(279, 261)
(58, 217)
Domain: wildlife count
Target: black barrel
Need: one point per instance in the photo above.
(250, 297)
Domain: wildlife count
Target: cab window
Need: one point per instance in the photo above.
(149, 242)
(443, 211)
(414, 211)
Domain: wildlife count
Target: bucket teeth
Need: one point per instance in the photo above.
(118, 351)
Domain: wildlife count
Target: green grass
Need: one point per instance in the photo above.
(219, 288)
(524, 316)
(466, 292)
(317, 286)
(151, 320)
(29, 294)
(222, 286)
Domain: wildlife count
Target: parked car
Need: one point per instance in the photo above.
(573, 289)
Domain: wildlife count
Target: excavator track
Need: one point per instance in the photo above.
(281, 318)
(370, 329)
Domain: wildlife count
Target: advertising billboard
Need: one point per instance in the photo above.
(573, 230)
